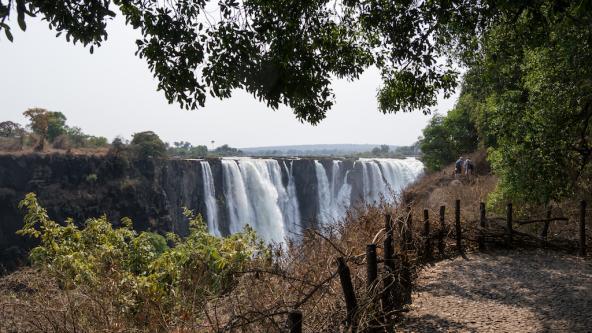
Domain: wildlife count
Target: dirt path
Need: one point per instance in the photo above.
(529, 291)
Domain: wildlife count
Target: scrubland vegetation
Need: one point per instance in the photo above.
(524, 111)
(47, 132)
(97, 277)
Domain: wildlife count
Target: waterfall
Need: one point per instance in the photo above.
(263, 192)
(256, 196)
(291, 208)
(343, 200)
(376, 184)
(335, 172)
(399, 173)
(210, 198)
(334, 196)
(237, 204)
(324, 190)
(387, 177)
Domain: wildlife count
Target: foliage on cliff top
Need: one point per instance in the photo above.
(142, 280)
(528, 97)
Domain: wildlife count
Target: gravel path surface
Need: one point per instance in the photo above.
(526, 291)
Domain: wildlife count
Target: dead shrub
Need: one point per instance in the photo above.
(62, 142)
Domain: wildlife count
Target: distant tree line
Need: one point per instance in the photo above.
(46, 128)
(49, 130)
(385, 151)
(183, 149)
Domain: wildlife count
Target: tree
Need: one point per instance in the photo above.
(539, 104)
(199, 151)
(284, 52)
(56, 125)
(436, 146)
(39, 123)
(187, 150)
(9, 129)
(528, 95)
(226, 150)
(445, 138)
(96, 141)
(76, 136)
(148, 145)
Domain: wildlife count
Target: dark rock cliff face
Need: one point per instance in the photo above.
(307, 191)
(79, 187)
(152, 193)
(183, 187)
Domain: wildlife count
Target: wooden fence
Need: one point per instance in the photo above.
(395, 290)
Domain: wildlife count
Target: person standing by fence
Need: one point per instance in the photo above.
(458, 167)
(469, 167)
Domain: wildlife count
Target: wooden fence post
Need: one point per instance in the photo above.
(482, 225)
(388, 223)
(509, 225)
(582, 228)
(349, 294)
(371, 266)
(546, 225)
(294, 322)
(405, 280)
(458, 226)
(442, 233)
(372, 275)
(426, 233)
(389, 266)
(409, 229)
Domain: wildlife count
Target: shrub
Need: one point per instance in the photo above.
(11, 144)
(92, 178)
(148, 145)
(97, 141)
(145, 281)
(62, 142)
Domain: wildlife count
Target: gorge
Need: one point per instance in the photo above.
(278, 197)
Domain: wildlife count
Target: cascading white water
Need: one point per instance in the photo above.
(343, 197)
(210, 198)
(400, 173)
(291, 208)
(386, 177)
(255, 193)
(257, 196)
(334, 196)
(335, 172)
(324, 190)
(237, 203)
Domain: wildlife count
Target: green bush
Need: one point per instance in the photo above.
(92, 178)
(136, 274)
(148, 144)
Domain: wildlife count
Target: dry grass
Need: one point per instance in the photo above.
(302, 276)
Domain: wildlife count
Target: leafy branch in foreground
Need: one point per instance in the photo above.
(282, 52)
(136, 274)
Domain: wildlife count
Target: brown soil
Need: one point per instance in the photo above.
(518, 291)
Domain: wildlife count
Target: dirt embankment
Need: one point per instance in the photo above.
(443, 188)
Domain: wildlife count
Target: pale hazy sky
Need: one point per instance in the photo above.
(112, 92)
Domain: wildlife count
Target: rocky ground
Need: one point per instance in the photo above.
(518, 291)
